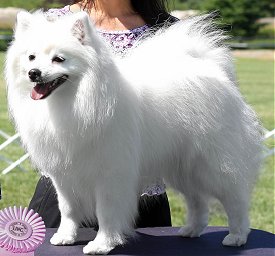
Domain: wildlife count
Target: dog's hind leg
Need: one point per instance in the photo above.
(189, 183)
(197, 215)
(235, 203)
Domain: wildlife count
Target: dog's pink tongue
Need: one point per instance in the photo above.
(39, 91)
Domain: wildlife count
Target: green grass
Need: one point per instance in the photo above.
(257, 85)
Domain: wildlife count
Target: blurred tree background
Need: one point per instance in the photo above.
(32, 4)
(237, 16)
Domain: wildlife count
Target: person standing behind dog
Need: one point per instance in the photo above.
(120, 23)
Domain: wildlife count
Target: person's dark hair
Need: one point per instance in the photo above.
(153, 12)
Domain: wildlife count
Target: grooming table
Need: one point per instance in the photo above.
(165, 241)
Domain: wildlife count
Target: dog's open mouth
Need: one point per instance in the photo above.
(43, 90)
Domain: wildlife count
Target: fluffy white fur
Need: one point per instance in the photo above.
(171, 110)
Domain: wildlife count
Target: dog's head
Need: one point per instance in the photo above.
(48, 54)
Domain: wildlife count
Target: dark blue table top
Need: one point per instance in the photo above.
(165, 241)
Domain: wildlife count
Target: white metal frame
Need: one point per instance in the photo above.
(12, 164)
(269, 151)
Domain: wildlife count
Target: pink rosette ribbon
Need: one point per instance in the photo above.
(21, 230)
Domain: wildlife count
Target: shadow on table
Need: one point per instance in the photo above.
(210, 243)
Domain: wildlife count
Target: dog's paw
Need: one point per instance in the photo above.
(189, 231)
(234, 240)
(62, 239)
(94, 247)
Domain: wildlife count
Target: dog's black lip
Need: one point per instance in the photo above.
(48, 87)
(54, 83)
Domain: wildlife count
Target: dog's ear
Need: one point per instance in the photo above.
(81, 28)
(23, 21)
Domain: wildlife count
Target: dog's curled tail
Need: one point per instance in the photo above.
(196, 37)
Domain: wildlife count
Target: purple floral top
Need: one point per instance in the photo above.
(120, 42)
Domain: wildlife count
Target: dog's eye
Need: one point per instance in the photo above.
(58, 59)
(31, 57)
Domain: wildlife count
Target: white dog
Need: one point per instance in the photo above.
(103, 129)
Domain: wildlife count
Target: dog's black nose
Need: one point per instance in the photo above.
(34, 74)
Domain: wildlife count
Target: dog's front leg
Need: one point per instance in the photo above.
(67, 231)
(116, 208)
